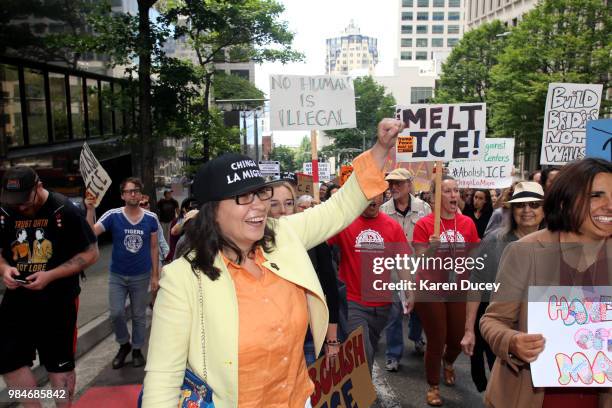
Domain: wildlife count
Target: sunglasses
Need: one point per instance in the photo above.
(534, 205)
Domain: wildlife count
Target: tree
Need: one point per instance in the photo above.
(229, 31)
(372, 105)
(303, 153)
(286, 156)
(235, 87)
(558, 41)
(466, 73)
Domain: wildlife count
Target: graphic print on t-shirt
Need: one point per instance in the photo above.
(133, 240)
(451, 236)
(369, 240)
(31, 250)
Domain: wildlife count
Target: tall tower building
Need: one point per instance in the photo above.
(428, 30)
(352, 52)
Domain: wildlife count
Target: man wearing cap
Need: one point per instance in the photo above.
(168, 209)
(39, 310)
(406, 209)
(134, 265)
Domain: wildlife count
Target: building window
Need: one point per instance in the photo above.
(406, 55)
(93, 108)
(406, 29)
(423, 3)
(422, 16)
(421, 55)
(77, 108)
(437, 16)
(420, 94)
(407, 3)
(514, 22)
(59, 117)
(11, 121)
(454, 15)
(421, 29)
(406, 15)
(454, 3)
(451, 42)
(437, 29)
(107, 109)
(242, 73)
(421, 42)
(437, 42)
(453, 29)
(406, 42)
(438, 3)
(36, 108)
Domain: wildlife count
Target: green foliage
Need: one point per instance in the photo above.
(303, 153)
(286, 156)
(558, 41)
(372, 105)
(235, 87)
(466, 73)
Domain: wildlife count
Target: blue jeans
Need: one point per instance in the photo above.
(394, 332)
(137, 287)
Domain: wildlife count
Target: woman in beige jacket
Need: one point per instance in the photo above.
(574, 250)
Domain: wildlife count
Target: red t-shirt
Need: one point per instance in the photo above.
(363, 235)
(465, 229)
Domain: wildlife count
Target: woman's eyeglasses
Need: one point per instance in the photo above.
(263, 194)
(534, 205)
(287, 203)
(144, 203)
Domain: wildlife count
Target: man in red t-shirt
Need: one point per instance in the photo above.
(372, 231)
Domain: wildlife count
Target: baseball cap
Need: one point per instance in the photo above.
(227, 176)
(17, 184)
(399, 174)
(527, 191)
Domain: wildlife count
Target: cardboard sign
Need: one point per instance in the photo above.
(97, 180)
(269, 168)
(568, 108)
(441, 132)
(311, 102)
(324, 170)
(577, 325)
(493, 171)
(345, 381)
(304, 184)
(599, 139)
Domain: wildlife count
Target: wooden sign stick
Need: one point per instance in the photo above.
(438, 199)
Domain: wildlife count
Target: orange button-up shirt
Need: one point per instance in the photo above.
(273, 319)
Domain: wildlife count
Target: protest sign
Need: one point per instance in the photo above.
(311, 102)
(96, 179)
(494, 170)
(568, 108)
(577, 325)
(324, 170)
(304, 184)
(441, 132)
(599, 139)
(269, 168)
(345, 380)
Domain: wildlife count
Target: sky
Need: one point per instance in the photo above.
(313, 21)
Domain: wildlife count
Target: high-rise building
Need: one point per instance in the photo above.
(510, 12)
(428, 31)
(351, 53)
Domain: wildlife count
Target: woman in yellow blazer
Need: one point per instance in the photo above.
(259, 289)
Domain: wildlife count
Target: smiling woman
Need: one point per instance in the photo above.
(235, 310)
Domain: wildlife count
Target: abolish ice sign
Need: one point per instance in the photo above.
(441, 132)
(311, 102)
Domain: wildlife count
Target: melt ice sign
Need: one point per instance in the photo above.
(568, 108)
(577, 325)
(311, 102)
(97, 181)
(442, 132)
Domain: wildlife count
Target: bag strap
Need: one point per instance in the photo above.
(202, 333)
